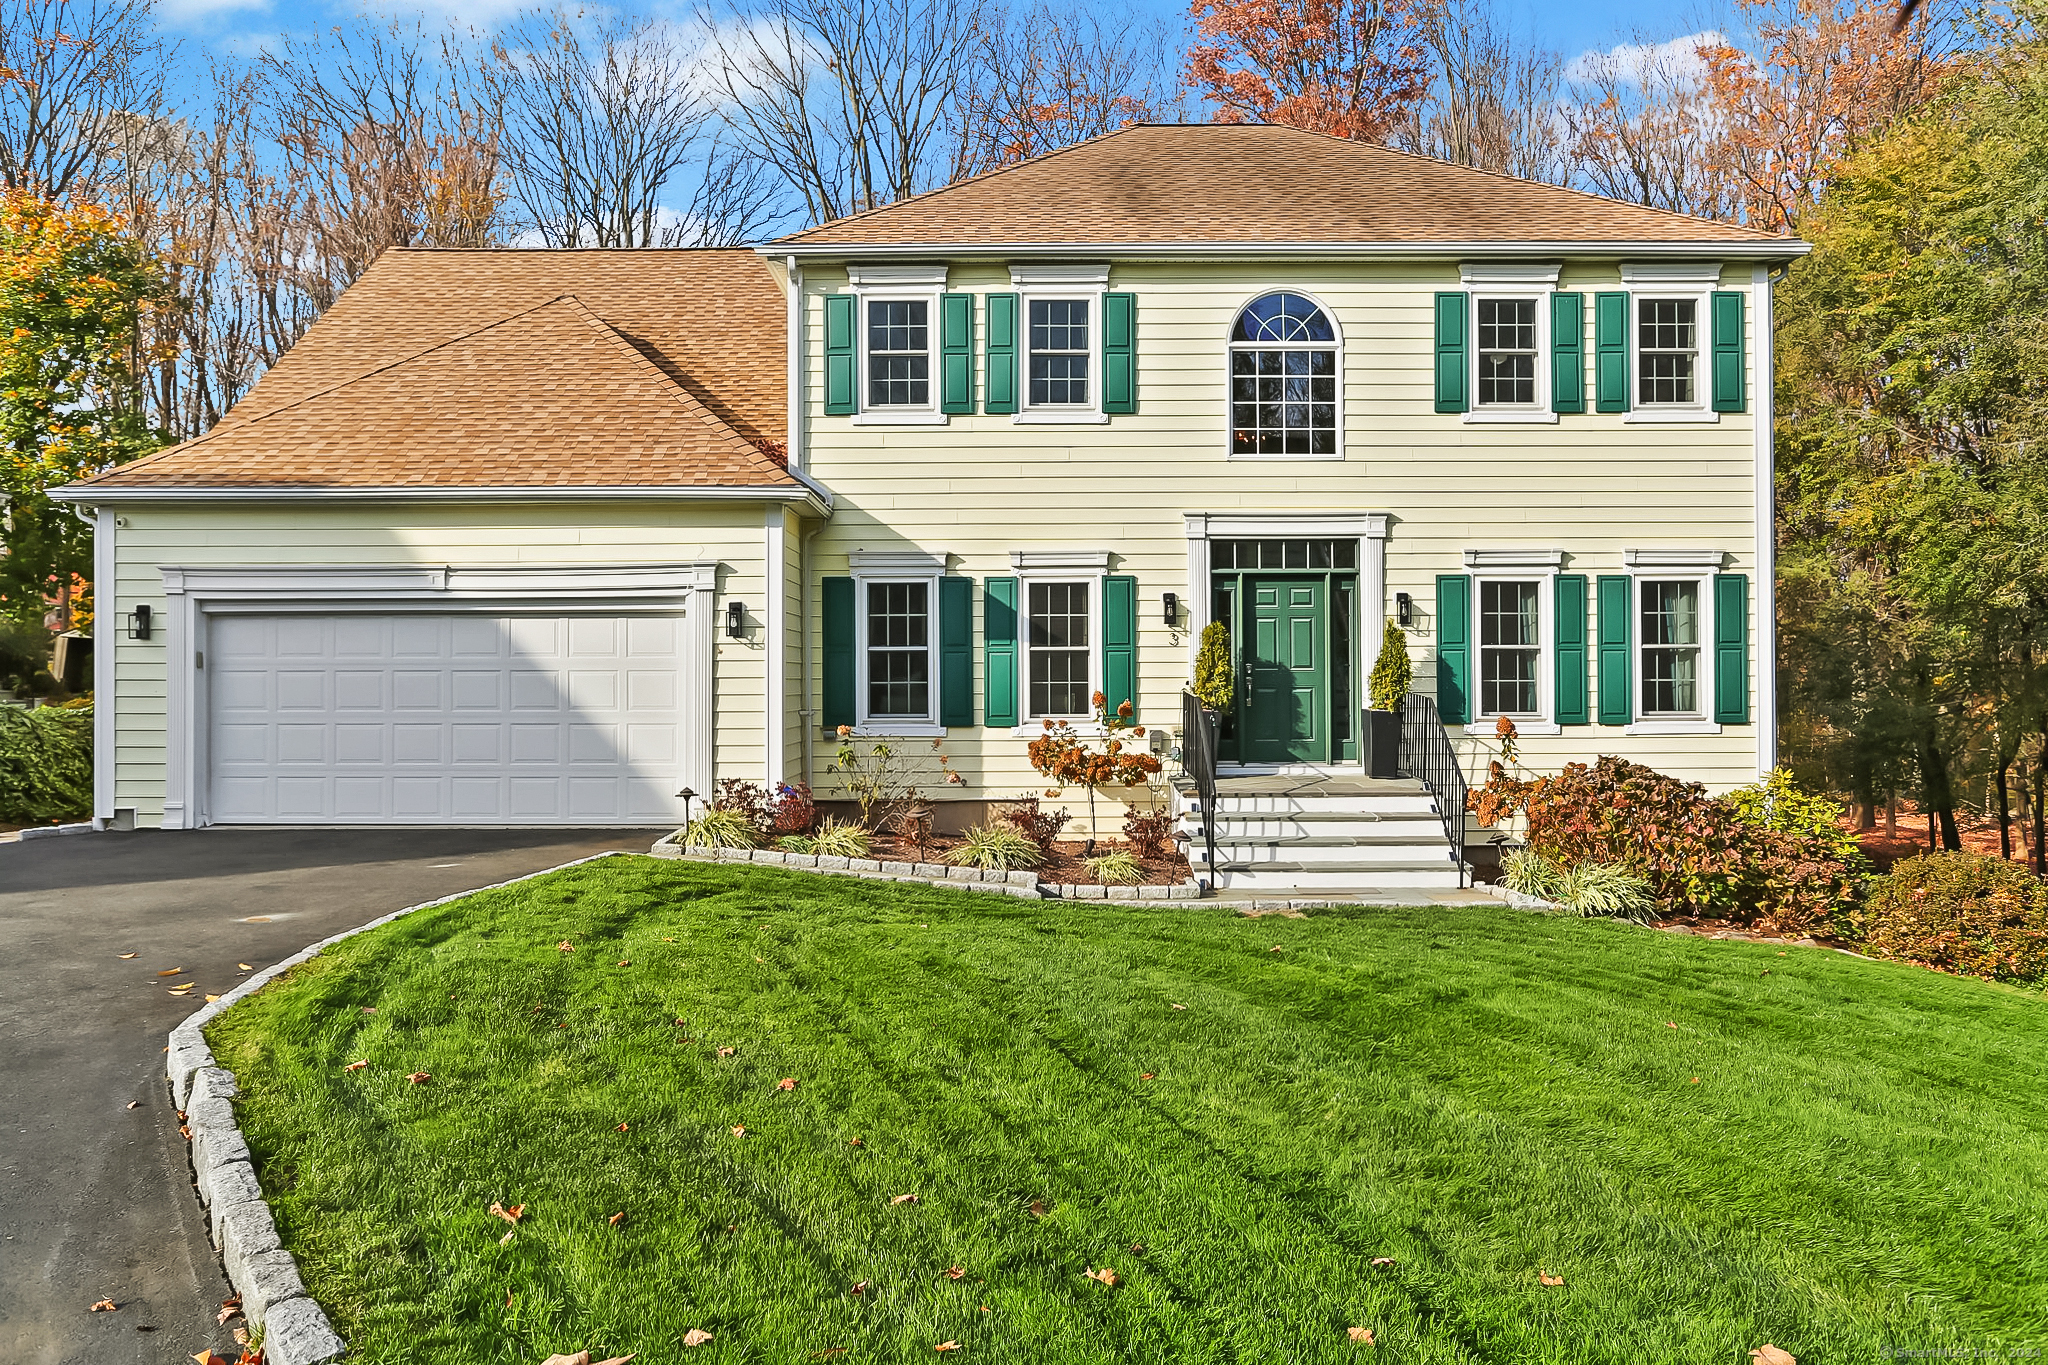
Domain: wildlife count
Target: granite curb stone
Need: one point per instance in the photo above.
(274, 1297)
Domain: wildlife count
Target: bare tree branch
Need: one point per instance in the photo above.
(70, 70)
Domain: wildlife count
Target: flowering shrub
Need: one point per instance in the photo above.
(1062, 755)
(787, 810)
(1041, 827)
(1149, 831)
(1961, 912)
(1700, 855)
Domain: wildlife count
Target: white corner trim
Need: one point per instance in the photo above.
(1080, 561)
(106, 608)
(1763, 656)
(1514, 559)
(1671, 727)
(896, 276)
(1671, 272)
(896, 562)
(775, 660)
(1685, 559)
(1509, 272)
(1079, 274)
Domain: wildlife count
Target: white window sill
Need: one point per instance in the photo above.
(907, 729)
(1083, 729)
(1667, 415)
(1510, 416)
(1676, 726)
(1278, 459)
(1055, 417)
(1482, 728)
(884, 418)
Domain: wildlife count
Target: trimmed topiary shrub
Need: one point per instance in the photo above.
(1215, 678)
(45, 764)
(1969, 913)
(1392, 674)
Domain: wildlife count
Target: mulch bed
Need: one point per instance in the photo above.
(1063, 864)
(1979, 835)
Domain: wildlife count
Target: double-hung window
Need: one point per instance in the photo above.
(1060, 321)
(1508, 333)
(898, 620)
(1670, 633)
(899, 342)
(1510, 647)
(1058, 336)
(1507, 352)
(1668, 352)
(1059, 663)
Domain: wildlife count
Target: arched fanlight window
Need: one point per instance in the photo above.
(1283, 379)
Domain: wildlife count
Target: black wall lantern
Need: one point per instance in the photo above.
(1172, 609)
(138, 622)
(736, 620)
(1404, 608)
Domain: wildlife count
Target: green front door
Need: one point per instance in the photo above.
(1286, 714)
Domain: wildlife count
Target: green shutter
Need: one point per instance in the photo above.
(1617, 700)
(1119, 353)
(999, 651)
(1568, 354)
(1453, 647)
(1120, 641)
(837, 608)
(956, 353)
(1728, 357)
(1570, 635)
(1610, 346)
(1451, 366)
(956, 651)
(1731, 648)
(1001, 383)
(840, 396)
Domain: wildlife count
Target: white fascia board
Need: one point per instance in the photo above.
(1784, 249)
(817, 499)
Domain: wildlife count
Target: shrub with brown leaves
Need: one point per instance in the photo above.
(1961, 912)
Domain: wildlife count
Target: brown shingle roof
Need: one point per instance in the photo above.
(1163, 185)
(526, 369)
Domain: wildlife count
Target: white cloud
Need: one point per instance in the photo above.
(185, 12)
(1673, 61)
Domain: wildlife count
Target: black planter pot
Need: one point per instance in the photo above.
(1382, 744)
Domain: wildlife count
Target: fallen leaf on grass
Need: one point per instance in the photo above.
(617, 1218)
(827, 1353)
(854, 1142)
(583, 1358)
(947, 1346)
(170, 971)
(1106, 1276)
(954, 1272)
(566, 946)
(625, 964)
(1274, 949)
(126, 956)
(905, 1199)
(369, 1009)
(511, 1215)
(1361, 1335)
(1669, 1024)
(727, 1051)
(1694, 1081)
(1149, 1075)
(668, 940)
(1180, 1007)
(356, 1066)
(1768, 1354)
(1137, 1248)
(1550, 1281)
(105, 1306)
(696, 1336)
(1040, 1208)
(786, 1083)
(622, 1128)
(1383, 1262)
(859, 1289)
(506, 1240)
(419, 1077)
(739, 1130)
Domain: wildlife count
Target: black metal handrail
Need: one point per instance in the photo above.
(1198, 730)
(1426, 754)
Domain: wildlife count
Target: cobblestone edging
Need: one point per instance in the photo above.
(1025, 885)
(295, 1331)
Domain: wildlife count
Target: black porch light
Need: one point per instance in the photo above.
(139, 622)
(736, 619)
(1404, 608)
(1172, 609)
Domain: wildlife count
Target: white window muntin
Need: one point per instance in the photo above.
(1668, 653)
(925, 723)
(1230, 376)
(1544, 587)
(1052, 285)
(925, 285)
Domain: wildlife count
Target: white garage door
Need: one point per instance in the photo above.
(424, 719)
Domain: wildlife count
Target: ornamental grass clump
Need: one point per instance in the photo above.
(994, 848)
(720, 828)
(838, 838)
(1968, 913)
(1590, 890)
(1118, 867)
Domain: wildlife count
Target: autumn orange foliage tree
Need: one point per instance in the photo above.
(1352, 68)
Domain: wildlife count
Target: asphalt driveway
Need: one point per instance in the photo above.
(96, 1198)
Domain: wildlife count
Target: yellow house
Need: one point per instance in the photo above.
(539, 537)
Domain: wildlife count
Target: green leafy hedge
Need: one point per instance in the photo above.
(45, 763)
(1961, 912)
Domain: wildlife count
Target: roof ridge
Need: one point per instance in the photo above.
(989, 174)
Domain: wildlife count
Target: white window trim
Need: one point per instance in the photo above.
(1642, 291)
(1230, 348)
(1029, 722)
(1491, 286)
(1678, 567)
(888, 284)
(1045, 283)
(888, 567)
(1541, 721)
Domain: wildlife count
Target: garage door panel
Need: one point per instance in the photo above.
(425, 719)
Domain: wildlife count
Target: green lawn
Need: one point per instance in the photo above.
(1482, 1095)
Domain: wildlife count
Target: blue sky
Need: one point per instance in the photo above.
(1570, 26)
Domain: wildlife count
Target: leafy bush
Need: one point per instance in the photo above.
(1392, 673)
(1591, 890)
(795, 811)
(720, 827)
(1961, 912)
(1150, 832)
(1699, 856)
(45, 763)
(1778, 803)
(840, 839)
(1040, 826)
(1118, 867)
(994, 848)
(1215, 679)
